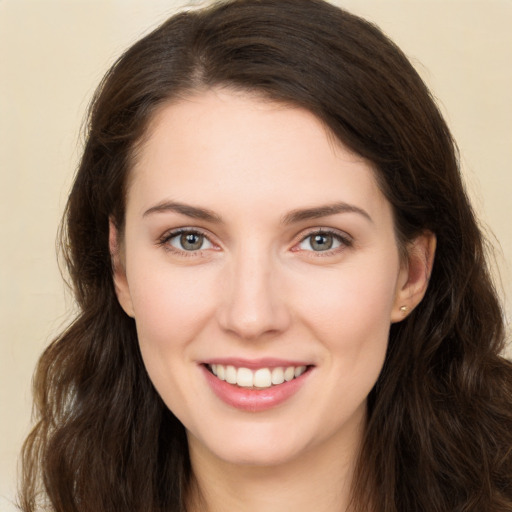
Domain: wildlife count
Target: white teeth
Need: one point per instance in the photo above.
(277, 376)
(289, 373)
(244, 378)
(231, 374)
(261, 378)
(299, 371)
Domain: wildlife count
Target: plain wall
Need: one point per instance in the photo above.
(53, 54)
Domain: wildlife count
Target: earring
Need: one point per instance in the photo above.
(404, 309)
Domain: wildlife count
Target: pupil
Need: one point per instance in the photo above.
(191, 241)
(321, 242)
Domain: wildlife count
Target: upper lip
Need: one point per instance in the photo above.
(254, 364)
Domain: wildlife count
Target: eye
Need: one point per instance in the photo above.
(323, 241)
(189, 241)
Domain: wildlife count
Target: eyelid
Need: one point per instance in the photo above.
(172, 233)
(345, 239)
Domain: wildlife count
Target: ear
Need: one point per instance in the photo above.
(414, 275)
(118, 270)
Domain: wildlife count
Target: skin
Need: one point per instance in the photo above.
(258, 289)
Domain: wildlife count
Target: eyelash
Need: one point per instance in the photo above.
(344, 240)
(164, 241)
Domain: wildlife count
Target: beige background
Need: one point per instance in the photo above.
(53, 53)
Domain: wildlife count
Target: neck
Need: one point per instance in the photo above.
(320, 479)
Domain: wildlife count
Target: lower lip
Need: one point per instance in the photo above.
(254, 400)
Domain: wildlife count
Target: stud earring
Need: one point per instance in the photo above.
(404, 309)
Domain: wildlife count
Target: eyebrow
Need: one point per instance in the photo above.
(292, 217)
(184, 209)
(323, 211)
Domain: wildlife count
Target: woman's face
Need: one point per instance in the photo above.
(258, 248)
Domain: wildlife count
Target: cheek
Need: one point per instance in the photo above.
(350, 309)
(171, 305)
(358, 291)
(171, 308)
(349, 313)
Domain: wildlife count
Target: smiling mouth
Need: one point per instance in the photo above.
(262, 378)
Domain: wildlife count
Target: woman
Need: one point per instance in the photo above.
(284, 300)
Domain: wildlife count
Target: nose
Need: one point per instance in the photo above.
(253, 304)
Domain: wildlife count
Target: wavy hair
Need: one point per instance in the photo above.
(439, 432)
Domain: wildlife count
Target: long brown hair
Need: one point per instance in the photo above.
(439, 433)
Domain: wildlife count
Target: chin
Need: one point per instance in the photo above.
(270, 455)
(256, 444)
(260, 445)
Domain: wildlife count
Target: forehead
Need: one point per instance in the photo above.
(247, 150)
